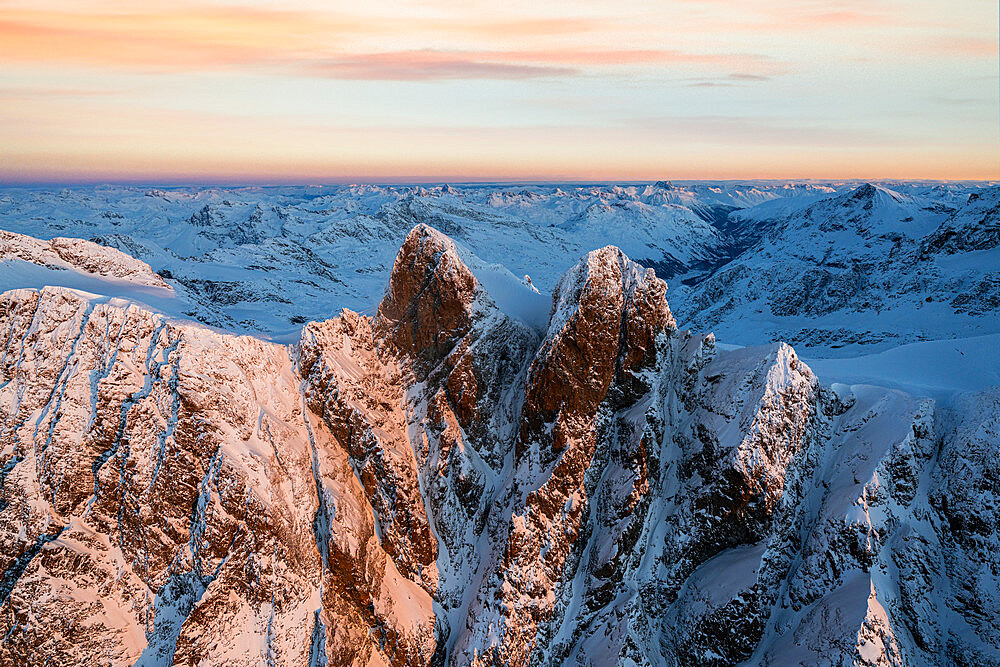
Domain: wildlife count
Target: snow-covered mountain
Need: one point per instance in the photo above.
(859, 273)
(79, 257)
(476, 473)
(833, 267)
(899, 275)
(266, 260)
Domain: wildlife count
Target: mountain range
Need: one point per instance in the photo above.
(515, 452)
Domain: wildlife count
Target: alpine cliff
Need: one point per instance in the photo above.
(475, 475)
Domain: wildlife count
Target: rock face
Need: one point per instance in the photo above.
(446, 483)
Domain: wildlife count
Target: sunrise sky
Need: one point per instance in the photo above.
(430, 90)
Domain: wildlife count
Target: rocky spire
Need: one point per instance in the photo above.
(428, 304)
(606, 313)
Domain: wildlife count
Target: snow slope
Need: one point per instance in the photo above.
(933, 368)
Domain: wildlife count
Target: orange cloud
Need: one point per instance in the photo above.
(961, 46)
(39, 43)
(201, 38)
(428, 64)
(170, 39)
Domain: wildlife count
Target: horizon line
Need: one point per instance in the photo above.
(178, 183)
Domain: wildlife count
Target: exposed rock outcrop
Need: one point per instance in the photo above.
(78, 255)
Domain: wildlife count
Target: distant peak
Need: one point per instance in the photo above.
(985, 194)
(866, 191)
(870, 190)
(871, 194)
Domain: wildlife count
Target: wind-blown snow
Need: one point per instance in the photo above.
(18, 274)
(515, 297)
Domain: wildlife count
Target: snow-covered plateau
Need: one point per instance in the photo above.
(515, 452)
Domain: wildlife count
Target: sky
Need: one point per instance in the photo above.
(431, 90)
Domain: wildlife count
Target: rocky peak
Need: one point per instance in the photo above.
(864, 192)
(606, 313)
(428, 304)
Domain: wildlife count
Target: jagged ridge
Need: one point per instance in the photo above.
(444, 484)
